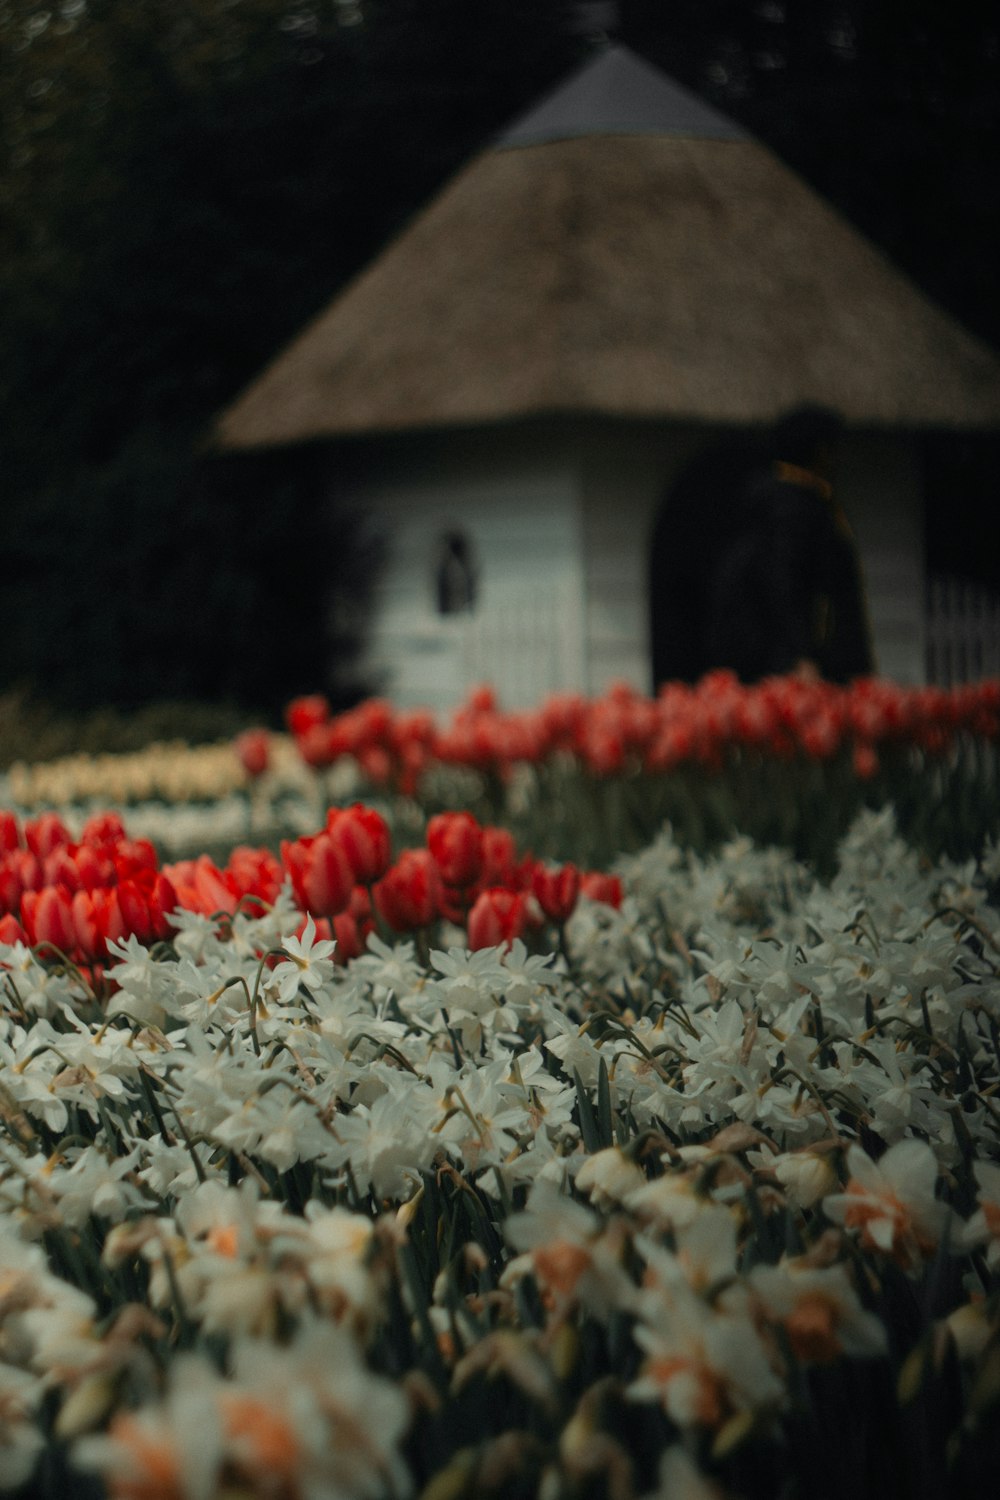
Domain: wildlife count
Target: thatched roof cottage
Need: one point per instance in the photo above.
(514, 381)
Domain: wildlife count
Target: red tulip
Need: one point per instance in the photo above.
(145, 904)
(499, 856)
(48, 918)
(363, 834)
(253, 751)
(865, 762)
(10, 832)
(255, 872)
(200, 886)
(28, 869)
(133, 856)
(321, 874)
(376, 762)
(103, 829)
(134, 907)
(408, 895)
(482, 699)
(89, 939)
(315, 746)
(306, 712)
(293, 861)
(413, 730)
(455, 841)
(45, 833)
(821, 735)
(328, 879)
(11, 930)
(98, 917)
(413, 758)
(497, 916)
(94, 866)
(556, 890)
(375, 720)
(11, 886)
(599, 887)
(60, 867)
(603, 750)
(162, 901)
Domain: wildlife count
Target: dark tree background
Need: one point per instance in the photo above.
(184, 182)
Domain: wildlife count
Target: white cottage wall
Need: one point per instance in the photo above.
(513, 495)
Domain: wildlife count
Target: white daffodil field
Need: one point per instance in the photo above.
(354, 1170)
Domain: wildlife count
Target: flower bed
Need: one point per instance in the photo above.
(183, 798)
(75, 898)
(691, 1190)
(786, 760)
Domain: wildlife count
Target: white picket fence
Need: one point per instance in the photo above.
(963, 632)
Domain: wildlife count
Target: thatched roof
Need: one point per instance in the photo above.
(622, 250)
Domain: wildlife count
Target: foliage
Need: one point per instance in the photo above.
(34, 731)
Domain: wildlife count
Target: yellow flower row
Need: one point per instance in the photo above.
(169, 771)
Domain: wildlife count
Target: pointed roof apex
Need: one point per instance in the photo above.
(618, 93)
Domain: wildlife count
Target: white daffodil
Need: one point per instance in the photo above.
(609, 1177)
(334, 1252)
(389, 969)
(309, 964)
(566, 1250)
(667, 1202)
(702, 1364)
(574, 1046)
(548, 1101)
(173, 1447)
(819, 1311)
(28, 1067)
(528, 977)
(891, 1204)
(471, 993)
(704, 1254)
(308, 1418)
(99, 1185)
(21, 1439)
(805, 1176)
(681, 1479)
(898, 1091)
(168, 1171)
(387, 1145)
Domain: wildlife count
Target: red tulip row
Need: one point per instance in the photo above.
(466, 873)
(76, 896)
(781, 717)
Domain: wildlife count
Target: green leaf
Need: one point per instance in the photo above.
(605, 1117)
(589, 1127)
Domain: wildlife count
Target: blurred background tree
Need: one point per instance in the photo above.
(183, 183)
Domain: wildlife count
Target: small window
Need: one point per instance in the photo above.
(455, 574)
